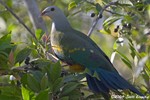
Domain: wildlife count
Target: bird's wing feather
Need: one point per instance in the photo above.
(92, 43)
(92, 55)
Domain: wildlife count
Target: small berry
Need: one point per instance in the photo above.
(116, 30)
(27, 61)
(117, 26)
(92, 14)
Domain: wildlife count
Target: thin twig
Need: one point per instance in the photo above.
(17, 18)
(112, 12)
(90, 3)
(75, 13)
(99, 16)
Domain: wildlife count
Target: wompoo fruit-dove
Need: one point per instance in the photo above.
(81, 53)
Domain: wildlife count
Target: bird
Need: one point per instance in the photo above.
(82, 54)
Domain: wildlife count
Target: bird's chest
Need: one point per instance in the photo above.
(57, 44)
(61, 46)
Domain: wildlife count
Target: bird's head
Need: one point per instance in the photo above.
(58, 17)
(51, 11)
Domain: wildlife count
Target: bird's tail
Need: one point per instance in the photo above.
(97, 86)
(109, 81)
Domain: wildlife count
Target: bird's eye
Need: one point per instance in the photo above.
(52, 9)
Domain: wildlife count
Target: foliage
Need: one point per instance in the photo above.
(28, 72)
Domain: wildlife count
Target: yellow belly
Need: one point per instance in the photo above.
(76, 68)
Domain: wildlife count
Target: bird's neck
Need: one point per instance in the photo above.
(62, 24)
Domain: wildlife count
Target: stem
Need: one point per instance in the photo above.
(100, 16)
(112, 12)
(17, 18)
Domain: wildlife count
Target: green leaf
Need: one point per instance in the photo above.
(125, 59)
(44, 95)
(5, 42)
(125, 2)
(65, 98)
(11, 27)
(55, 71)
(104, 31)
(75, 94)
(109, 21)
(72, 5)
(22, 55)
(44, 82)
(9, 97)
(24, 80)
(72, 77)
(132, 51)
(9, 3)
(148, 64)
(39, 33)
(115, 46)
(3, 61)
(146, 76)
(69, 87)
(41, 63)
(26, 94)
(127, 63)
(128, 18)
(140, 66)
(37, 75)
(57, 85)
(123, 56)
(93, 97)
(33, 83)
(88, 71)
(10, 92)
(98, 7)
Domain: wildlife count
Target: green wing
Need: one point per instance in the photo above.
(89, 55)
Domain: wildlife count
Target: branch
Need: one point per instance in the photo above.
(17, 18)
(112, 12)
(100, 16)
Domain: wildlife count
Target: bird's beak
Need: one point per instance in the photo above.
(43, 13)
